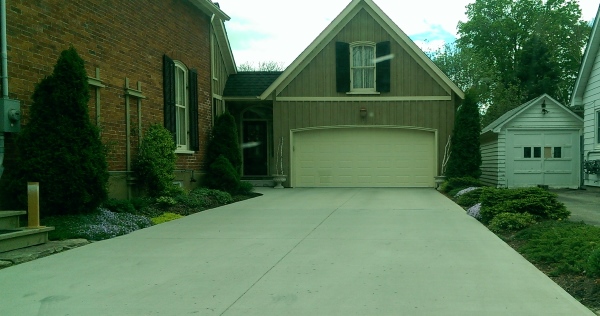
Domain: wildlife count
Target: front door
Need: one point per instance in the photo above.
(255, 148)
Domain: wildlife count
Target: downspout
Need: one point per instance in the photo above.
(4, 74)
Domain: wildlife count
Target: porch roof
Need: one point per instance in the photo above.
(249, 83)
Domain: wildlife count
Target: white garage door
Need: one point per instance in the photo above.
(364, 157)
(543, 157)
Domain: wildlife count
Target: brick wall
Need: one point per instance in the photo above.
(124, 38)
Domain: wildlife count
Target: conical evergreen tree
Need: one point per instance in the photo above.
(59, 147)
(465, 154)
(224, 141)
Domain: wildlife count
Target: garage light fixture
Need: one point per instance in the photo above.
(363, 112)
(544, 111)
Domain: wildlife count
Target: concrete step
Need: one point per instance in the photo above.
(16, 238)
(260, 182)
(10, 219)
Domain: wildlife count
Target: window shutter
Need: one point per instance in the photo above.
(383, 67)
(169, 95)
(193, 110)
(342, 66)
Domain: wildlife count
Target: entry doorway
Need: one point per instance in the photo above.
(255, 144)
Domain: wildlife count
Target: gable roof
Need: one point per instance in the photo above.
(210, 8)
(224, 45)
(497, 125)
(249, 83)
(587, 64)
(338, 24)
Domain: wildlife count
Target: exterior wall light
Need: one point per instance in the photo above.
(363, 112)
(544, 111)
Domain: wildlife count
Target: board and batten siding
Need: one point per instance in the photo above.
(219, 77)
(292, 115)
(407, 76)
(591, 101)
(489, 163)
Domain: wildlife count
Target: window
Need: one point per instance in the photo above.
(549, 152)
(357, 70)
(181, 104)
(557, 152)
(362, 67)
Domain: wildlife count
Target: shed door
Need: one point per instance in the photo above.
(543, 157)
(364, 157)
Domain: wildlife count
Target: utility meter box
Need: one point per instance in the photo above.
(10, 115)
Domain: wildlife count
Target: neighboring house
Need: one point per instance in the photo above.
(586, 95)
(362, 106)
(148, 61)
(536, 143)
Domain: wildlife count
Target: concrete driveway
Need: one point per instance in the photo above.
(584, 204)
(295, 252)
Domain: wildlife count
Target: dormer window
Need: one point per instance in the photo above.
(357, 69)
(362, 67)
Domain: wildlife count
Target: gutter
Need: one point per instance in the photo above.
(3, 48)
(10, 111)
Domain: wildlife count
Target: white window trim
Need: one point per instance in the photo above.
(597, 128)
(182, 148)
(363, 90)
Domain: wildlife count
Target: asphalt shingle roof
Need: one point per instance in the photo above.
(249, 83)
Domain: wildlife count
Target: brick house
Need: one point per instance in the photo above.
(148, 62)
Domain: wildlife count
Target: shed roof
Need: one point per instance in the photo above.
(249, 83)
(210, 8)
(497, 125)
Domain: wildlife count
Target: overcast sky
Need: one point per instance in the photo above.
(279, 30)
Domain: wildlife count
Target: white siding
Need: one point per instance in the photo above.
(591, 101)
(533, 117)
(502, 160)
(489, 163)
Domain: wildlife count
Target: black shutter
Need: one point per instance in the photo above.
(383, 67)
(193, 110)
(169, 96)
(342, 66)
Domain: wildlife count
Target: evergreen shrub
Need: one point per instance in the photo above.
(222, 176)
(119, 206)
(511, 222)
(155, 162)
(59, 147)
(224, 141)
(459, 183)
(538, 202)
(465, 155)
(470, 198)
(593, 263)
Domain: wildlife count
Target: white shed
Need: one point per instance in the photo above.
(537, 143)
